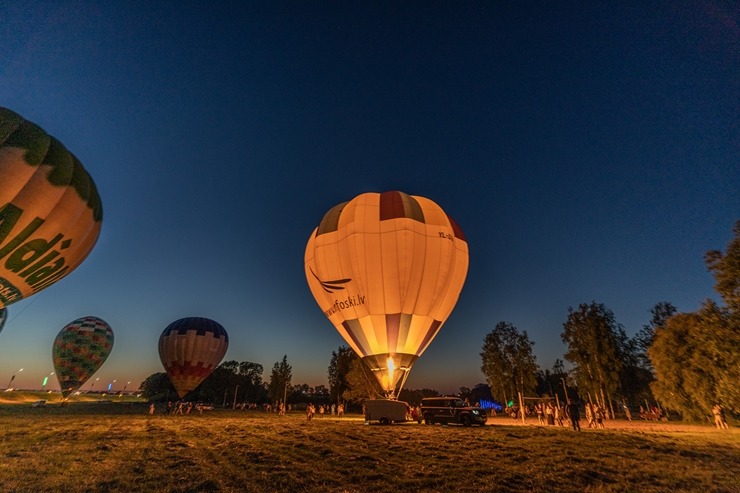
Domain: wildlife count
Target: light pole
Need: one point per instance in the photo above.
(93, 384)
(46, 379)
(13, 378)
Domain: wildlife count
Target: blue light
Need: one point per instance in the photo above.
(485, 404)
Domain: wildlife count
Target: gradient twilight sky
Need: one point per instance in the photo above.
(588, 150)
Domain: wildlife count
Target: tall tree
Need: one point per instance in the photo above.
(361, 384)
(339, 367)
(696, 356)
(508, 361)
(661, 312)
(251, 378)
(280, 378)
(726, 271)
(597, 346)
(158, 387)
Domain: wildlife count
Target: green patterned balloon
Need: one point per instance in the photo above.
(79, 350)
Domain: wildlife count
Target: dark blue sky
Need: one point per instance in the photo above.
(589, 153)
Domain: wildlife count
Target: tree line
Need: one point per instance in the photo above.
(686, 362)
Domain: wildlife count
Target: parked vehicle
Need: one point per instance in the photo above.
(386, 411)
(40, 403)
(446, 410)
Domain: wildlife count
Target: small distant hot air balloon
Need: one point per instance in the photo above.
(50, 211)
(3, 317)
(79, 350)
(387, 269)
(190, 349)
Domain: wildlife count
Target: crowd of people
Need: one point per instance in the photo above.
(552, 414)
(333, 410)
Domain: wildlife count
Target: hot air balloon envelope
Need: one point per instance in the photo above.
(387, 270)
(50, 211)
(190, 349)
(79, 350)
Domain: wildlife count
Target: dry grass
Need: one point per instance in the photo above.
(89, 447)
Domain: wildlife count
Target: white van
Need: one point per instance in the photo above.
(386, 411)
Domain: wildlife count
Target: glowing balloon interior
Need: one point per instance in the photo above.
(190, 349)
(79, 350)
(50, 211)
(387, 270)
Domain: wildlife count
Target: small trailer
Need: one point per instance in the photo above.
(386, 411)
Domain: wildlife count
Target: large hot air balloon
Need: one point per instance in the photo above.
(50, 211)
(387, 269)
(79, 350)
(190, 348)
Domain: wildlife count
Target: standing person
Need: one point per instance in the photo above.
(340, 410)
(598, 417)
(559, 415)
(151, 408)
(719, 417)
(627, 413)
(550, 414)
(540, 414)
(574, 414)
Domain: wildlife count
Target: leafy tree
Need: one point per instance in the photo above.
(597, 346)
(644, 338)
(696, 356)
(726, 271)
(341, 362)
(508, 361)
(158, 387)
(696, 362)
(282, 373)
(251, 378)
(550, 381)
(361, 383)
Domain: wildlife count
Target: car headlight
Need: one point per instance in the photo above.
(475, 411)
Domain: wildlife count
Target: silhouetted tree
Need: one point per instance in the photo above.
(508, 361)
(341, 362)
(597, 346)
(644, 338)
(158, 387)
(280, 378)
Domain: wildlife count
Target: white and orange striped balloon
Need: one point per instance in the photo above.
(190, 349)
(387, 270)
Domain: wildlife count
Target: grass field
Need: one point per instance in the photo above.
(117, 447)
